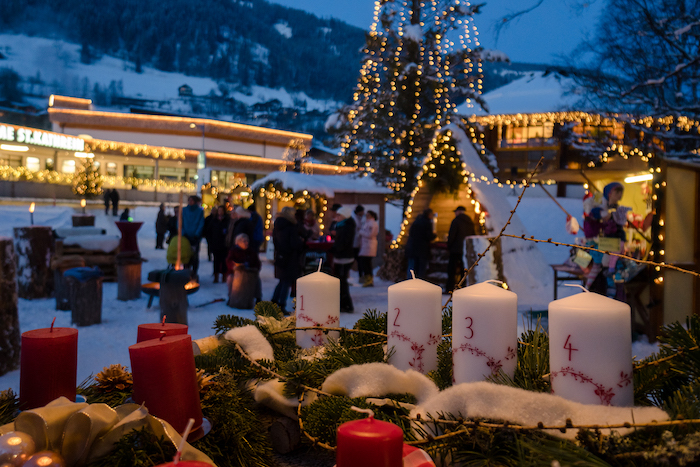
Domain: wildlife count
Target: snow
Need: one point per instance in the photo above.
(413, 32)
(326, 185)
(284, 29)
(106, 243)
(252, 342)
(107, 343)
(58, 62)
(537, 92)
(528, 408)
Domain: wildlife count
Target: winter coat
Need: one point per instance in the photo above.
(344, 237)
(193, 223)
(161, 222)
(217, 233)
(419, 237)
(258, 234)
(114, 196)
(368, 234)
(359, 222)
(248, 257)
(460, 228)
(239, 226)
(288, 248)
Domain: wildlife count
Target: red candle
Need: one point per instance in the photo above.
(165, 380)
(153, 330)
(185, 464)
(369, 443)
(48, 366)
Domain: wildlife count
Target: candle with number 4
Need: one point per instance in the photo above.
(414, 324)
(318, 304)
(590, 350)
(48, 366)
(484, 332)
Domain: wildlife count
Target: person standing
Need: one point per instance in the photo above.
(218, 228)
(460, 228)
(258, 237)
(114, 197)
(420, 235)
(106, 196)
(288, 247)
(311, 225)
(358, 216)
(161, 226)
(368, 248)
(333, 217)
(344, 255)
(207, 232)
(193, 228)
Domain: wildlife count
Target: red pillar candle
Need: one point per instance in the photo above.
(153, 330)
(165, 380)
(369, 443)
(48, 366)
(185, 464)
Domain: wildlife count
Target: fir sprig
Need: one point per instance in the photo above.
(9, 404)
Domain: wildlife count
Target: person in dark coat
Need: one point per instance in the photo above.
(258, 237)
(207, 232)
(172, 226)
(333, 218)
(125, 217)
(460, 228)
(193, 228)
(243, 255)
(106, 196)
(161, 227)
(288, 246)
(344, 255)
(240, 223)
(218, 228)
(114, 197)
(418, 244)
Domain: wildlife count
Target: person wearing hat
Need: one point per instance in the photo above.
(460, 228)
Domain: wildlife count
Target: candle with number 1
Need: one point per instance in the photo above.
(484, 332)
(318, 304)
(414, 324)
(590, 350)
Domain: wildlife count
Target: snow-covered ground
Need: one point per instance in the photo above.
(107, 343)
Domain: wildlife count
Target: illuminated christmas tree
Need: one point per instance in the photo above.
(421, 58)
(88, 181)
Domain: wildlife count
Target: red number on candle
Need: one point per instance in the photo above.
(302, 303)
(569, 347)
(471, 323)
(398, 312)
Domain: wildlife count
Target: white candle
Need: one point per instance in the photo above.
(414, 324)
(590, 350)
(318, 304)
(484, 332)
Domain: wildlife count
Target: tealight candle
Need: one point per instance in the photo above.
(369, 443)
(48, 366)
(590, 350)
(165, 380)
(318, 304)
(484, 332)
(414, 324)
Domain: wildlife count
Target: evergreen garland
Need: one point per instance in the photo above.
(140, 448)
(9, 404)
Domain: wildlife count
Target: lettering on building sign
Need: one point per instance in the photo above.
(41, 138)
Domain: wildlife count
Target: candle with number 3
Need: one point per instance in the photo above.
(318, 304)
(590, 350)
(414, 324)
(484, 332)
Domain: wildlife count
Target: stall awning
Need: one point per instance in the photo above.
(327, 185)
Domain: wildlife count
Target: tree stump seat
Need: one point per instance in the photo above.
(85, 292)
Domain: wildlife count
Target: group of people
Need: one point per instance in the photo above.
(111, 197)
(354, 237)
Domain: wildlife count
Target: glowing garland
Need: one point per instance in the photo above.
(130, 149)
(273, 192)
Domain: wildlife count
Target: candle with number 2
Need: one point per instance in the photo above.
(484, 332)
(414, 324)
(318, 304)
(590, 350)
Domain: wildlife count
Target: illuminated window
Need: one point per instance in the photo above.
(33, 164)
(68, 166)
(50, 164)
(111, 168)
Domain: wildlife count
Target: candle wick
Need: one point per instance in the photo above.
(163, 323)
(162, 334)
(578, 285)
(320, 262)
(190, 423)
(369, 412)
(52, 323)
(413, 274)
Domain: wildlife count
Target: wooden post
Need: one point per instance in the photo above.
(173, 296)
(85, 300)
(9, 319)
(34, 248)
(61, 265)
(128, 277)
(178, 263)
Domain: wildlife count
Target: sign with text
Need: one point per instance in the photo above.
(41, 138)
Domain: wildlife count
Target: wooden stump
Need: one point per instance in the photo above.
(9, 319)
(85, 300)
(173, 296)
(83, 220)
(285, 435)
(128, 279)
(34, 248)
(61, 265)
(241, 295)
